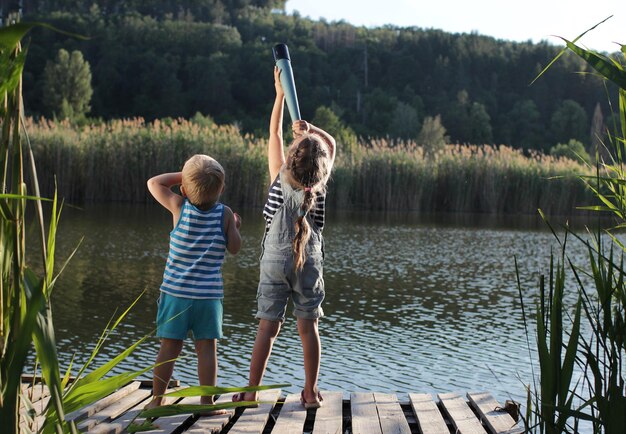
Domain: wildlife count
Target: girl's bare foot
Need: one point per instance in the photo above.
(246, 396)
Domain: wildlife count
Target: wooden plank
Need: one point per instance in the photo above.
(115, 410)
(118, 425)
(462, 417)
(427, 413)
(391, 415)
(498, 422)
(329, 417)
(169, 424)
(253, 420)
(36, 392)
(292, 416)
(364, 414)
(148, 383)
(40, 406)
(213, 424)
(36, 424)
(92, 409)
(38, 419)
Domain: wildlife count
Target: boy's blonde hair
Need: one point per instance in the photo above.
(203, 180)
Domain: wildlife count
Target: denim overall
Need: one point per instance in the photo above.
(278, 280)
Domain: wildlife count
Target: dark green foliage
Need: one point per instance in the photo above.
(569, 121)
(157, 59)
(67, 86)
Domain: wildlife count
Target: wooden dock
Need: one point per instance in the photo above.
(362, 413)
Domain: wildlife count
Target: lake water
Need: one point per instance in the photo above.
(415, 303)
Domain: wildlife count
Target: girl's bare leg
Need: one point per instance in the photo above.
(312, 349)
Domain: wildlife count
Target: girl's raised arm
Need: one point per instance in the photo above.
(330, 140)
(275, 153)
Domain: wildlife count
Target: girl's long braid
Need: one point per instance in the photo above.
(308, 167)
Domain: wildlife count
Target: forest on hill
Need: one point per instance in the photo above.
(158, 59)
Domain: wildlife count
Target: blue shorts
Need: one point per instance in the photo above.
(177, 315)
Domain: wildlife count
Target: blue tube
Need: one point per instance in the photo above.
(283, 62)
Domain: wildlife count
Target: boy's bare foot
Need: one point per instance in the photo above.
(208, 400)
(154, 403)
(212, 413)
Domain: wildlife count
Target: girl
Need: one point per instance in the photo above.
(291, 262)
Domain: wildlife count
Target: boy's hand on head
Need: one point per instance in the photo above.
(279, 87)
(299, 128)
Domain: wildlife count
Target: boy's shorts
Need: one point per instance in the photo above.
(177, 315)
(278, 281)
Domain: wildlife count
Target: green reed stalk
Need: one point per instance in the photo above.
(25, 315)
(600, 356)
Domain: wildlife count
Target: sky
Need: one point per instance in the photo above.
(524, 20)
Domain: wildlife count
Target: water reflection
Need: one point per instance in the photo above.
(414, 303)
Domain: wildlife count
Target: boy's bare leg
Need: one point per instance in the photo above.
(206, 350)
(170, 349)
(312, 349)
(263, 343)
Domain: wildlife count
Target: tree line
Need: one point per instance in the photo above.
(157, 59)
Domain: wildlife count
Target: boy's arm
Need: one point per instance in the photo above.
(232, 223)
(275, 153)
(160, 187)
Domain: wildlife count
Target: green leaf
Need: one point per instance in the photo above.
(11, 35)
(175, 409)
(19, 343)
(97, 374)
(5, 211)
(570, 355)
(595, 208)
(146, 426)
(215, 390)
(564, 50)
(600, 63)
(11, 68)
(91, 392)
(45, 345)
(100, 372)
(21, 196)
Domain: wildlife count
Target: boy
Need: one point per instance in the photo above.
(192, 290)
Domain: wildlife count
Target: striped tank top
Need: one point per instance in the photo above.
(197, 250)
(275, 201)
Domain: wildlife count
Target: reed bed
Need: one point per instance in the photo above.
(383, 174)
(112, 161)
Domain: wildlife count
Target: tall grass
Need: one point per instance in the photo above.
(112, 161)
(25, 312)
(598, 396)
(385, 175)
